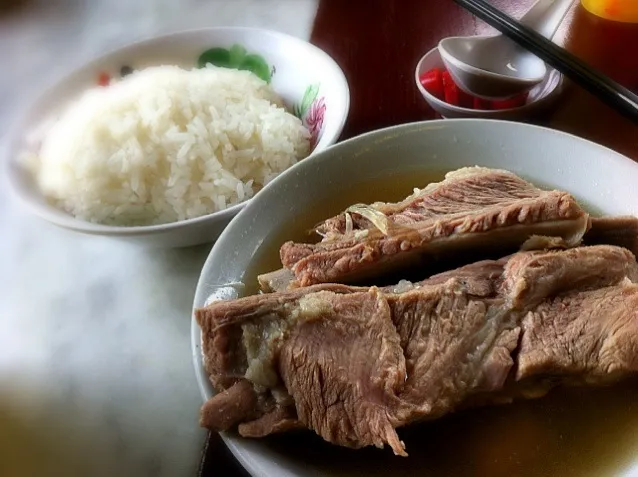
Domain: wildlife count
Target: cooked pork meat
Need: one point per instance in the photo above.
(280, 419)
(279, 280)
(589, 336)
(354, 363)
(620, 231)
(472, 209)
(231, 406)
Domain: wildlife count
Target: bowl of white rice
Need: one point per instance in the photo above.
(164, 141)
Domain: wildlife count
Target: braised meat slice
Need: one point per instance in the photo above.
(587, 336)
(620, 231)
(354, 363)
(472, 209)
(344, 367)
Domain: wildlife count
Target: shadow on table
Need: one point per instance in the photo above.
(8, 7)
(60, 432)
(33, 444)
(218, 460)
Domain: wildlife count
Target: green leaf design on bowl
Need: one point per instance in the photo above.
(236, 57)
(257, 65)
(215, 56)
(309, 97)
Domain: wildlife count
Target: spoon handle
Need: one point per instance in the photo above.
(545, 16)
(601, 86)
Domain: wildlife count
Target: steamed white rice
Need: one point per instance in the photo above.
(167, 144)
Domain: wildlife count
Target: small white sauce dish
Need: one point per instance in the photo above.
(541, 98)
(295, 67)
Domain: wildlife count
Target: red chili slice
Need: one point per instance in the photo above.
(441, 85)
(450, 90)
(432, 82)
(103, 79)
(455, 95)
(509, 103)
(480, 104)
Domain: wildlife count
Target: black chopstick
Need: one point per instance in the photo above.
(601, 86)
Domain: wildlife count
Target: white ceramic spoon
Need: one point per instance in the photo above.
(495, 66)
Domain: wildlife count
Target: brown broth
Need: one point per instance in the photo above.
(392, 188)
(575, 432)
(570, 433)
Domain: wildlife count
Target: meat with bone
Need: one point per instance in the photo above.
(472, 209)
(620, 231)
(354, 364)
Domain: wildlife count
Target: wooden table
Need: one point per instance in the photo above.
(378, 43)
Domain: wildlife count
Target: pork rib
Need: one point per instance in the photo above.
(472, 209)
(620, 231)
(354, 363)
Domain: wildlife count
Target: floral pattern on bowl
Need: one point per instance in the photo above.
(238, 58)
(311, 110)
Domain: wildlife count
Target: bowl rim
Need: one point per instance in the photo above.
(64, 219)
(202, 380)
(491, 114)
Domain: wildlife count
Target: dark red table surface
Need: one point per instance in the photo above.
(378, 43)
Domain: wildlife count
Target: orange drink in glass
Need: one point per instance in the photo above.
(617, 10)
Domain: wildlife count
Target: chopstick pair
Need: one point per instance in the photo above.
(601, 86)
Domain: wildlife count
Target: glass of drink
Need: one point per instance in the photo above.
(617, 10)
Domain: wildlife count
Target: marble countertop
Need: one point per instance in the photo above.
(96, 376)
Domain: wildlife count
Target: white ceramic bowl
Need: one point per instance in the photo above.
(541, 97)
(293, 65)
(604, 179)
